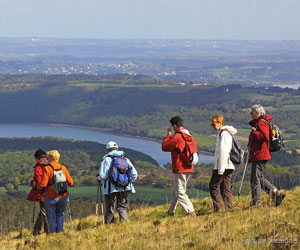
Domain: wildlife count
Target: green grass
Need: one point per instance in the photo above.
(147, 194)
(291, 107)
(243, 132)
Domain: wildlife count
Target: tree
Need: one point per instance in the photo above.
(9, 187)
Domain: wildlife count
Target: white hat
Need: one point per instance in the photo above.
(111, 144)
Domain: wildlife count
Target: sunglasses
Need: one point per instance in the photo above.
(213, 124)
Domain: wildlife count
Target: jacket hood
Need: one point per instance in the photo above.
(114, 153)
(265, 117)
(185, 133)
(231, 129)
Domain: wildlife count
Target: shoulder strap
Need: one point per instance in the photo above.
(55, 169)
(179, 132)
(261, 119)
(225, 130)
(40, 165)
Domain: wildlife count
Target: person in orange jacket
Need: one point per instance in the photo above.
(55, 202)
(37, 194)
(182, 170)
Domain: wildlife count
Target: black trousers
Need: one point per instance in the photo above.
(113, 201)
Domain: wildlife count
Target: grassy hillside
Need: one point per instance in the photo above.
(264, 228)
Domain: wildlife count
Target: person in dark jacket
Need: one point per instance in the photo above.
(259, 155)
(37, 194)
(181, 170)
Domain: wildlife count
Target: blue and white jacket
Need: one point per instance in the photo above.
(104, 171)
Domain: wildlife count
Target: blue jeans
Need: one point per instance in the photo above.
(55, 209)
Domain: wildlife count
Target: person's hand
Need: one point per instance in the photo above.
(169, 130)
(253, 129)
(98, 178)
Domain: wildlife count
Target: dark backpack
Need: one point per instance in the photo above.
(60, 185)
(189, 151)
(120, 173)
(276, 137)
(236, 152)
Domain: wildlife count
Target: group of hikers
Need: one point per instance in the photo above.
(117, 173)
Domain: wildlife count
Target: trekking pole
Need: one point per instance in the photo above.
(33, 212)
(244, 173)
(97, 203)
(70, 216)
(102, 204)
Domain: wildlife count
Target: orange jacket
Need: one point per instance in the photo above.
(47, 180)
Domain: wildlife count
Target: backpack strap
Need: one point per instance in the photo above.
(107, 180)
(55, 169)
(264, 120)
(179, 132)
(261, 119)
(225, 130)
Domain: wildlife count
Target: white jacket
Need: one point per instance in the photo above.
(223, 148)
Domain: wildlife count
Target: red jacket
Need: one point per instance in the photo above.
(259, 140)
(37, 178)
(176, 144)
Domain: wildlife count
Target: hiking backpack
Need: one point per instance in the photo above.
(189, 155)
(120, 173)
(60, 185)
(236, 152)
(276, 137)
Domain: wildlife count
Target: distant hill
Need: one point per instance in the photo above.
(264, 228)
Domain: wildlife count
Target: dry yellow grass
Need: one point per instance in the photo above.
(264, 228)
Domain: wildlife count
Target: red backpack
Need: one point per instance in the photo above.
(187, 152)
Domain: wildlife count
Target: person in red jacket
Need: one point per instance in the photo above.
(259, 155)
(37, 194)
(182, 169)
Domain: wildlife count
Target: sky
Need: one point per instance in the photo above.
(152, 19)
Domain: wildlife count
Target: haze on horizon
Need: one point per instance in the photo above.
(166, 19)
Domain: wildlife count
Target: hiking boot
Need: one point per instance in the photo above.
(192, 214)
(253, 205)
(278, 198)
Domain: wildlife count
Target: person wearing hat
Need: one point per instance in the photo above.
(115, 196)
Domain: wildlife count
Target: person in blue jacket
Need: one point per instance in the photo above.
(115, 196)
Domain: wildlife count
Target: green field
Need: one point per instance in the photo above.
(145, 194)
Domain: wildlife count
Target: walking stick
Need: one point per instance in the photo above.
(102, 204)
(33, 212)
(70, 216)
(244, 173)
(97, 203)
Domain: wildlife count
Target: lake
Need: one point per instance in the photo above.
(148, 147)
(291, 86)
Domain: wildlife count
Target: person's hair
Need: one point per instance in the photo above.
(259, 109)
(53, 155)
(39, 154)
(176, 120)
(217, 119)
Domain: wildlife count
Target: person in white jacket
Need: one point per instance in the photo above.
(220, 183)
